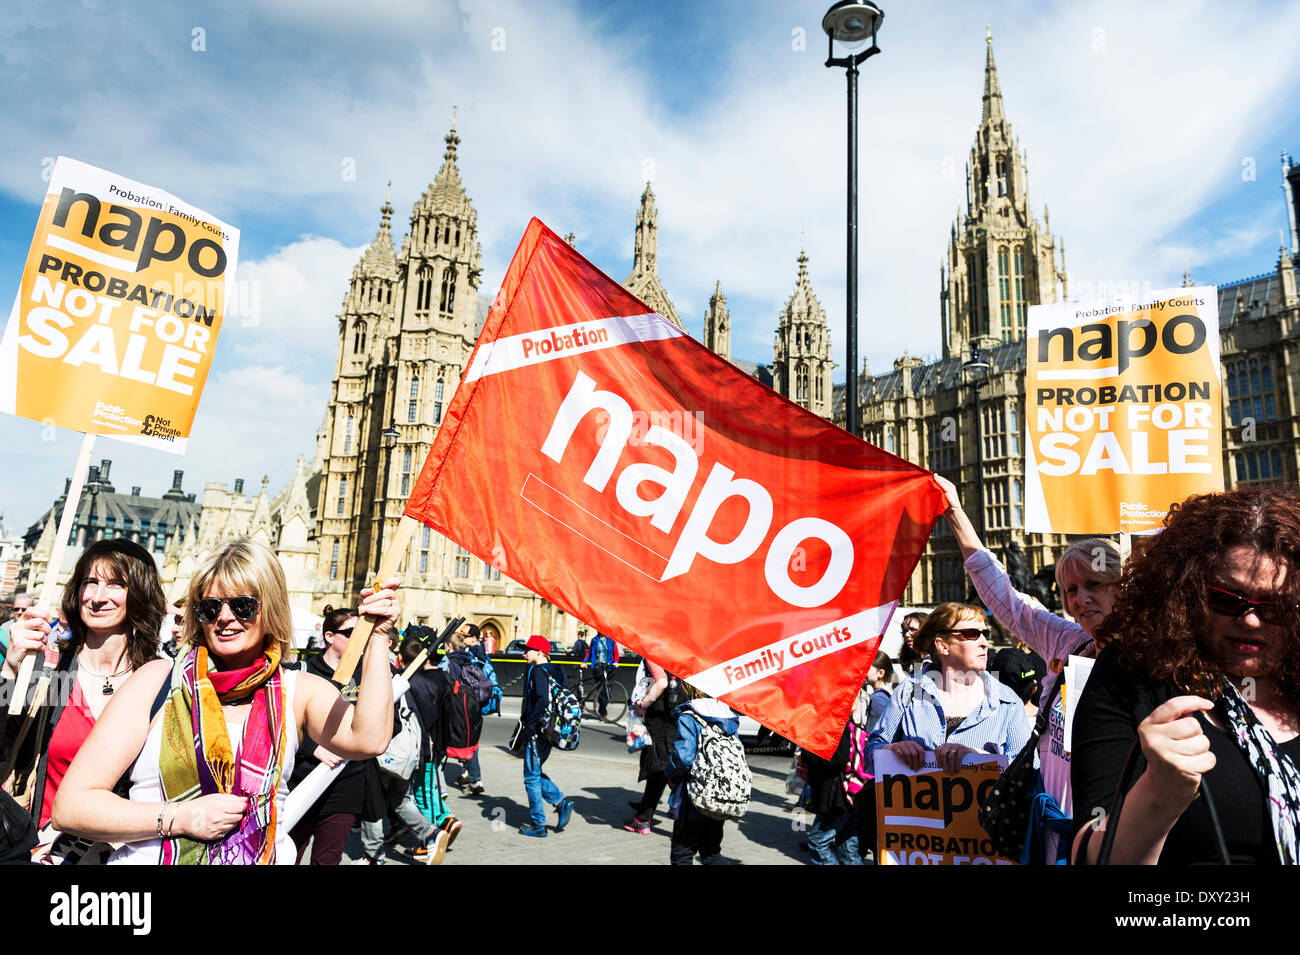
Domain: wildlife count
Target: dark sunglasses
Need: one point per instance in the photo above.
(1235, 605)
(969, 633)
(209, 608)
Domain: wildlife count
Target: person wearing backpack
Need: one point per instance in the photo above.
(536, 708)
(602, 656)
(694, 830)
(429, 696)
(467, 662)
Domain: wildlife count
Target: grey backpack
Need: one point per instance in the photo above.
(720, 781)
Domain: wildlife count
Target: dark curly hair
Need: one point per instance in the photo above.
(1160, 618)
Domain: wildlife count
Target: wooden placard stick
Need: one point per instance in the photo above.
(1125, 547)
(49, 586)
(393, 557)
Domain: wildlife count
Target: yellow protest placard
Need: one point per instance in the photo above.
(1123, 417)
(931, 817)
(118, 311)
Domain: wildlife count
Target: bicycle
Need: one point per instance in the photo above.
(588, 692)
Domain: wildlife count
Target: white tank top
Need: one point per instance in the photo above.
(146, 781)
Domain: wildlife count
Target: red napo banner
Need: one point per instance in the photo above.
(600, 456)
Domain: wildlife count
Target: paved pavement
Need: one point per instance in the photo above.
(600, 777)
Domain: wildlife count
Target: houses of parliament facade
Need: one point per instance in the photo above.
(411, 315)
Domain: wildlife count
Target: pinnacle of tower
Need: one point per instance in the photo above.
(380, 259)
(802, 305)
(717, 296)
(448, 177)
(644, 282)
(1187, 278)
(992, 91)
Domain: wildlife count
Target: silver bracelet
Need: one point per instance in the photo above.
(160, 819)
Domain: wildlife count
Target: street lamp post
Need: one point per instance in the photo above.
(852, 23)
(390, 436)
(977, 363)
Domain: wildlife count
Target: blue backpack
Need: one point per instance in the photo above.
(493, 705)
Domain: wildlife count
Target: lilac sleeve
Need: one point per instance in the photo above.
(1048, 635)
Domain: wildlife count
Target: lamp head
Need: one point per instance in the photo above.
(853, 23)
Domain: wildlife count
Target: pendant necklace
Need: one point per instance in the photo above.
(108, 687)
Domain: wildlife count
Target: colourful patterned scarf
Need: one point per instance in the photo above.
(1276, 771)
(197, 758)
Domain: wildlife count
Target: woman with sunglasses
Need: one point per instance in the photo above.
(209, 766)
(954, 707)
(1199, 682)
(1086, 575)
(111, 611)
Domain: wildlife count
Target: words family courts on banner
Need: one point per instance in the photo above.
(118, 311)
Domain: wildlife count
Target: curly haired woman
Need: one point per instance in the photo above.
(1201, 670)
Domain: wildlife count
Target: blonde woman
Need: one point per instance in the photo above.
(208, 738)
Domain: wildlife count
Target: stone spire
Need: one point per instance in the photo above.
(644, 281)
(717, 324)
(645, 253)
(260, 524)
(380, 260)
(1000, 260)
(992, 91)
(449, 175)
(802, 367)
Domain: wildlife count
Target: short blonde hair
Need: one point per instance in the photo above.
(244, 566)
(1084, 557)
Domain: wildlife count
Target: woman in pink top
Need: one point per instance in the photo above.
(112, 608)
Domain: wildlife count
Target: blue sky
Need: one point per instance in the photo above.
(1144, 125)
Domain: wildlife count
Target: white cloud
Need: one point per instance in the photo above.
(289, 305)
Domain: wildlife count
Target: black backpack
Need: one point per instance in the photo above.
(462, 720)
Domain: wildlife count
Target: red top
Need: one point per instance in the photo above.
(72, 729)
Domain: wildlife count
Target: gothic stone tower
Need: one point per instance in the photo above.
(644, 281)
(802, 367)
(717, 324)
(999, 260)
(405, 333)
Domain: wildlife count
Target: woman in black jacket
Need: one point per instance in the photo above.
(1199, 684)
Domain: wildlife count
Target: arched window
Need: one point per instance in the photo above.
(448, 299)
(414, 402)
(347, 436)
(1022, 302)
(406, 472)
(437, 402)
(1004, 291)
(359, 337)
(343, 493)
(424, 294)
